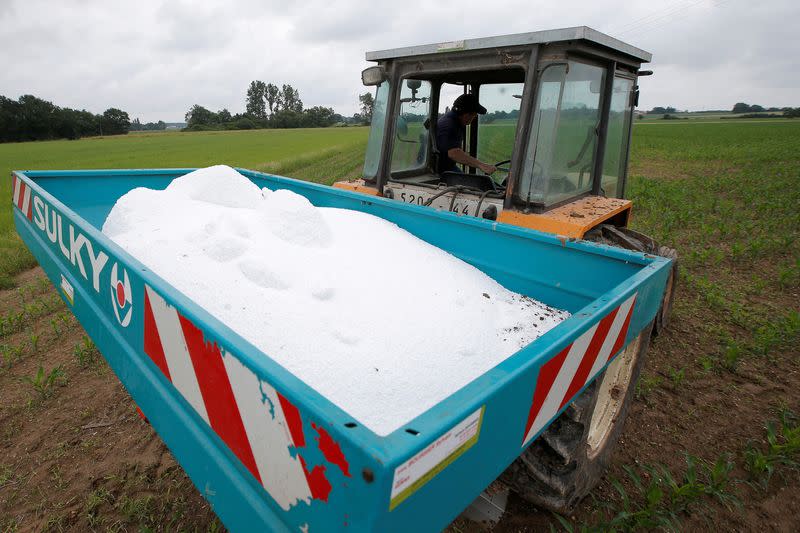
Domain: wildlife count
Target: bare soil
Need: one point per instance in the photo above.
(708, 414)
(77, 457)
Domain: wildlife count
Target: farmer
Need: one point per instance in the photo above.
(450, 131)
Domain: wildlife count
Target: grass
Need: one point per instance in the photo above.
(86, 352)
(677, 377)
(137, 510)
(10, 354)
(91, 507)
(725, 195)
(17, 320)
(652, 497)
(45, 383)
(782, 451)
(646, 385)
(6, 475)
(656, 499)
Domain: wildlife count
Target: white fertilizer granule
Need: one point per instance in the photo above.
(378, 321)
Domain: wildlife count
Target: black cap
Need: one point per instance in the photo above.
(468, 103)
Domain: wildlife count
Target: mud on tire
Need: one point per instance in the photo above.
(568, 459)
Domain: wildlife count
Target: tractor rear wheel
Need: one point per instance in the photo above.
(639, 242)
(568, 459)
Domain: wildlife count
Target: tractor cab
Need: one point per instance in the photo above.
(557, 126)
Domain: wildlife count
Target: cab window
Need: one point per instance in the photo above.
(560, 157)
(617, 137)
(411, 135)
(498, 127)
(375, 142)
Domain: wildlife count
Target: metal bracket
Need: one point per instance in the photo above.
(488, 508)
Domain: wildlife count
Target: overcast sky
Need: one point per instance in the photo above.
(154, 59)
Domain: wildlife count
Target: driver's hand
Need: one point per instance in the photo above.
(489, 169)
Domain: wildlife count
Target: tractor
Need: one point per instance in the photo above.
(556, 123)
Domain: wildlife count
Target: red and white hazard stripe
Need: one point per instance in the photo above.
(231, 399)
(22, 196)
(564, 375)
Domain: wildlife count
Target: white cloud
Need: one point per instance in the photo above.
(156, 59)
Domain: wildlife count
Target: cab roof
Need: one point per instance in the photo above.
(577, 33)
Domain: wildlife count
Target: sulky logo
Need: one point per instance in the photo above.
(121, 296)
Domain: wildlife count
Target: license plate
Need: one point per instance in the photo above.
(463, 207)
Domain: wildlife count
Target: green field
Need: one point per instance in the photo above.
(696, 447)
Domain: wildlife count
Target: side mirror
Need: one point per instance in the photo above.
(373, 76)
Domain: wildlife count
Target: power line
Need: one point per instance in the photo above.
(662, 22)
(674, 6)
(678, 12)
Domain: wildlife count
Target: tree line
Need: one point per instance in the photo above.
(270, 106)
(136, 125)
(266, 106)
(33, 119)
(662, 110)
(741, 108)
(738, 109)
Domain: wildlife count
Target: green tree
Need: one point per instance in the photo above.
(31, 118)
(272, 96)
(245, 123)
(741, 107)
(199, 116)
(658, 110)
(367, 103)
(318, 117)
(255, 104)
(10, 120)
(65, 124)
(115, 122)
(286, 118)
(223, 115)
(37, 117)
(88, 123)
(290, 99)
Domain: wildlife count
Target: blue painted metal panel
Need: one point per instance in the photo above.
(589, 280)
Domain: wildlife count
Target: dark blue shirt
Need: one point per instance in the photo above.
(449, 134)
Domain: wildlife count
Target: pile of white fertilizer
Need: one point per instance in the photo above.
(378, 321)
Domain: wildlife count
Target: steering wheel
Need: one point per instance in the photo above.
(499, 166)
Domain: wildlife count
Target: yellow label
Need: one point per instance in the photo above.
(68, 290)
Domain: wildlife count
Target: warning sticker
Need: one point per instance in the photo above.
(417, 471)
